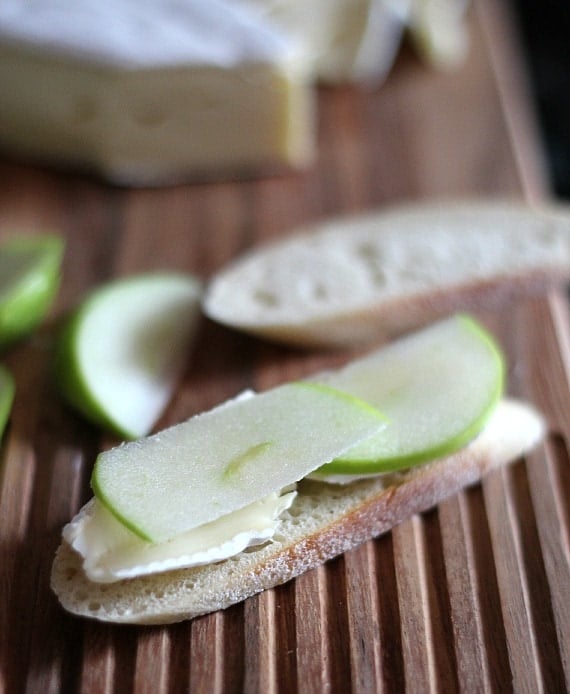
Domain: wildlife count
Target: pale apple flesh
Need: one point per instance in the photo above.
(121, 355)
(227, 458)
(437, 387)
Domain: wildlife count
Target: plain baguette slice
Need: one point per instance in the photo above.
(357, 279)
(323, 522)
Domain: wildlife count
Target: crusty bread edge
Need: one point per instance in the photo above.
(366, 509)
(388, 319)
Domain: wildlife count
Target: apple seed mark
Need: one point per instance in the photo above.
(236, 464)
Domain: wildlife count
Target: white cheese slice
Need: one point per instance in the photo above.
(341, 479)
(149, 92)
(111, 552)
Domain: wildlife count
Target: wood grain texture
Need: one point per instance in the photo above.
(473, 596)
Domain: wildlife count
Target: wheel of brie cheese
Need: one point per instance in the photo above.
(153, 92)
(149, 93)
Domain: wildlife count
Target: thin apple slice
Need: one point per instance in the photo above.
(437, 387)
(30, 268)
(120, 356)
(225, 459)
(7, 389)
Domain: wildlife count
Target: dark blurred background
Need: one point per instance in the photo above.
(544, 26)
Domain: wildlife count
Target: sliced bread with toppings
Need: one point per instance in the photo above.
(324, 521)
(266, 486)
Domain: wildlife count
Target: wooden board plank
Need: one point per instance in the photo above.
(471, 596)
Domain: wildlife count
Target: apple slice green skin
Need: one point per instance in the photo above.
(384, 453)
(7, 390)
(30, 274)
(229, 457)
(152, 347)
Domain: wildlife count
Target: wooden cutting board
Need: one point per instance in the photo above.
(472, 596)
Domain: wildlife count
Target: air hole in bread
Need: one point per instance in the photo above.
(94, 606)
(70, 574)
(255, 548)
(320, 292)
(265, 298)
(294, 511)
(368, 250)
(373, 263)
(378, 277)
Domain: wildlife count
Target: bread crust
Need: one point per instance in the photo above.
(383, 321)
(325, 521)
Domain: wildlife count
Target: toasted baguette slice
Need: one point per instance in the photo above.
(365, 278)
(324, 521)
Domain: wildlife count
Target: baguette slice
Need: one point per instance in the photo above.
(323, 522)
(364, 278)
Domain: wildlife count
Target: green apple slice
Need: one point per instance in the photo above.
(30, 268)
(7, 390)
(121, 354)
(229, 457)
(437, 387)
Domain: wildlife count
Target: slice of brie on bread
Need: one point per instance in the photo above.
(324, 521)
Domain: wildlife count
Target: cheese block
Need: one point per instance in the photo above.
(438, 31)
(148, 92)
(342, 40)
(357, 40)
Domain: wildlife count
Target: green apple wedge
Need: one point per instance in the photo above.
(437, 387)
(121, 354)
(7, 389)
(30, 271)
(228, 458)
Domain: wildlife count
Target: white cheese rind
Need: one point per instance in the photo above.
(142, 34)
(111, 552)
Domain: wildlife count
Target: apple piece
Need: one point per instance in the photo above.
(7, 389)
(30, 269)
(122, 353)
(229, 457)
(437, 387)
